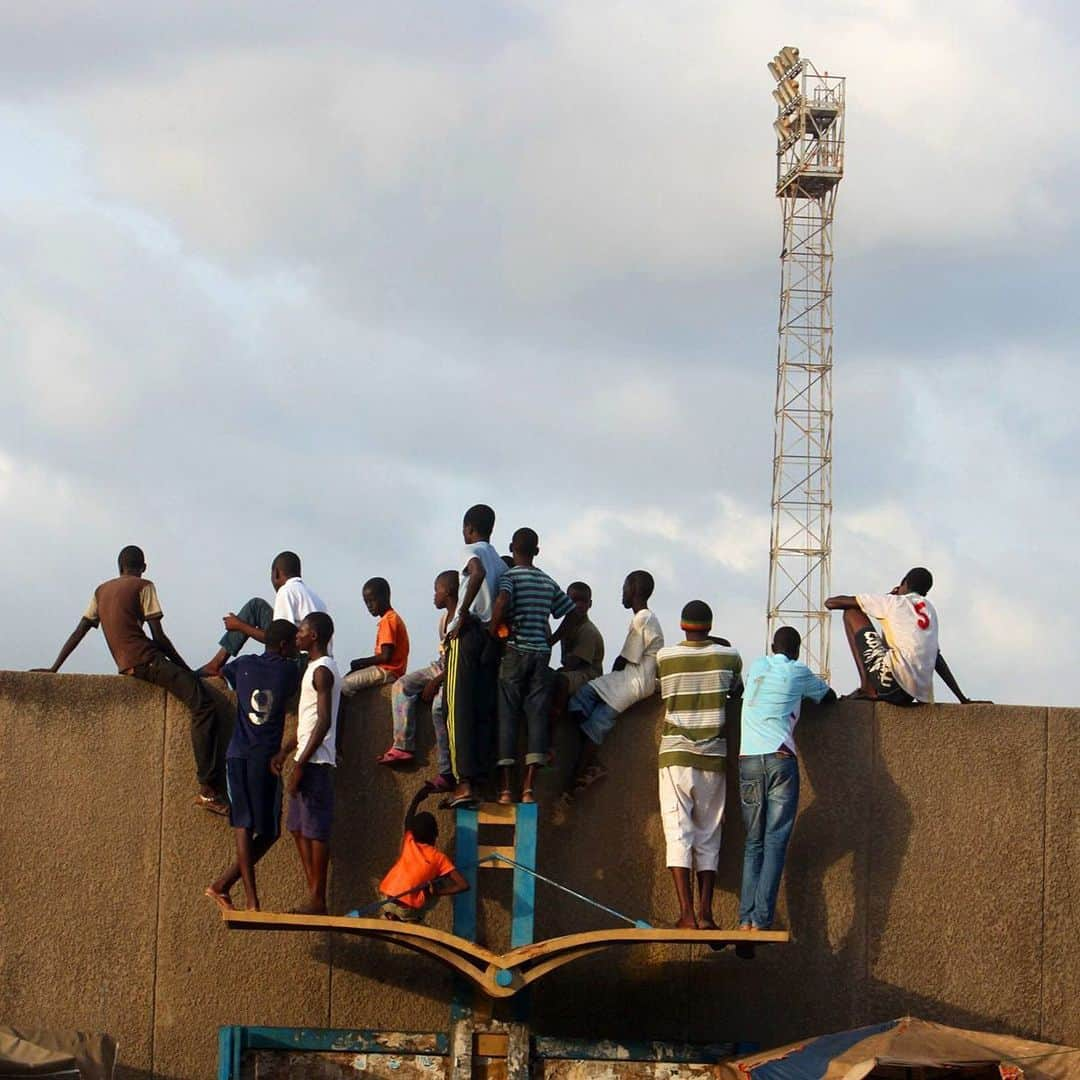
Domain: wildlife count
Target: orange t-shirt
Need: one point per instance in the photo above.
(416, 866)
(392, 631)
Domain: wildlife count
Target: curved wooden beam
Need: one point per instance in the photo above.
(496, 975)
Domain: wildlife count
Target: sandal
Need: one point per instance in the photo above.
(396, 756)
(214, 803)
(528, 795)
(506, 798)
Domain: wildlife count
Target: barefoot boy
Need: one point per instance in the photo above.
(527, 599)
(391, 656)
(264, 686)
(422, 872)
(696, 677)
(311, 782)
(425, 684)
(632, 678)
(898, 664)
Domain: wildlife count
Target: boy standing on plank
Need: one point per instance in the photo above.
(596, 706)
(391, 656)
(426, 684)
(776, 687)
(473, 655)
(292, 600)
(121, 607)
(311, 782)
(264, 686)
(696, 678)
(422, 872)
(527, 599)
(898, 664)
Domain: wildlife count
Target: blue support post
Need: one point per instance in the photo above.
(522, 924)
(466, 852)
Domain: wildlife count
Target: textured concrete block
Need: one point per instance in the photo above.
(823, 896)
(80, 825)
(1061, 940)
(956, 866)
(206, 975)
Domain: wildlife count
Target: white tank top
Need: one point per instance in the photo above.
(308, 713)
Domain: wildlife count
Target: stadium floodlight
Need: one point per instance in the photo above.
(808, 171)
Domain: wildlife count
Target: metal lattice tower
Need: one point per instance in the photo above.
(809, 166)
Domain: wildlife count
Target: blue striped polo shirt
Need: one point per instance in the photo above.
(533, 598)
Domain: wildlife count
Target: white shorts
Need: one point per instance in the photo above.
(692, 810)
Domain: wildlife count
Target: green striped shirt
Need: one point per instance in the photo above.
(695, 677)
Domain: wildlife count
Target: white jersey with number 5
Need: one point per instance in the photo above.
(910, 625)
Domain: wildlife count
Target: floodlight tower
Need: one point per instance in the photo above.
(809, 129)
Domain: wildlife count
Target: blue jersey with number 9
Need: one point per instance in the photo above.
(264, 685)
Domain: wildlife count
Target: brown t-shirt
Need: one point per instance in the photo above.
(120, 607)
(587, 644)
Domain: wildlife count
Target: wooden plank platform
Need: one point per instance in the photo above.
(498, 975)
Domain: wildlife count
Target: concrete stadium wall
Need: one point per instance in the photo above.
(934, 870)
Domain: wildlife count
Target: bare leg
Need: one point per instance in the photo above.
(249, 851)
(587, 757)
(320, 865)
(506, 796)
(685, 892)
(213, 667)
(706, 879)
(528, 787)
(856, 620)
(303, 848)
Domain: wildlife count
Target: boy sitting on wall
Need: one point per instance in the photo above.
(597, 705)
(391, 656)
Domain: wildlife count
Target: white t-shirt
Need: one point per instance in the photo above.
(494, 568)
(910, 626)
(307, 713)
(295, 602)
(644, 639)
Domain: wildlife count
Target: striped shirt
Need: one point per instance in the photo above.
(695, 677)
(533, 597)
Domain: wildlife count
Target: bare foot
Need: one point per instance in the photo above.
(309, 909)
(686, 922)
(706, 922)
(222, 899)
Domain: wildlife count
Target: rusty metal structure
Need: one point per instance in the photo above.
(809, 130)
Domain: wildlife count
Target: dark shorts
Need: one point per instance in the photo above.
(254, 796)
(876, 660)
(311, 809)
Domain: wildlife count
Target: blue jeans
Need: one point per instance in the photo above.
(256, 612)
(769, 793)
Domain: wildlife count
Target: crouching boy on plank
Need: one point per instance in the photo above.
(422, 872)
(311, 782)
(264, 685)
(696, 678)
(632, 678)
(776, 686)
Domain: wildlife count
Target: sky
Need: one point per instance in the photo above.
(319, 278)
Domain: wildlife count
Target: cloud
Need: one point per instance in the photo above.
(323, 281)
